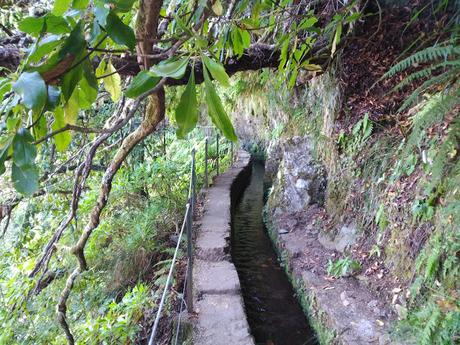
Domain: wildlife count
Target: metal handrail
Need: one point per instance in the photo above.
(187, 226)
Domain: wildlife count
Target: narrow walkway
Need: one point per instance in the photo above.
(221, 319)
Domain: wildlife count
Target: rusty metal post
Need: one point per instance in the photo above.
(231, 153)
(189, 225)
(206, 181)
(217, 149)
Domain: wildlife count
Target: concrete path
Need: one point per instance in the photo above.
(221, 319)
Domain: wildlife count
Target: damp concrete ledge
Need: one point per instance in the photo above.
(218, 304)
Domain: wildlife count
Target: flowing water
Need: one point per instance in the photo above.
(274, 314)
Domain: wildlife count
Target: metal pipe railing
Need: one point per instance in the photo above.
(187, 226)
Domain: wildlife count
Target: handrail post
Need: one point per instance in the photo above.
(189, 223)
(164, 138)
(206, 181)
(189, 279)
(217, 149)
(231, 153)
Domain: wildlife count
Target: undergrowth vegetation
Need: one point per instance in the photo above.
(130, 252)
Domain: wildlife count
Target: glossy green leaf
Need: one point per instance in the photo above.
(44, 47)
(2, 162)
(62, 140)
(245, 38)
(307, 23)
(216, 110)
(217, 8)
(5, 143)
(75, 44)
(71, 80)
(32, 25)
(56, 24)
(119, 32)
(144, 81)
(112, 82)
(61, 6)
(89, 84)
(25, 179)
(217, 70)
(54, 96)
(187, 109)
(71, 108)
(5, 86)
(101, 13)
(336, 40)
(35, 25)
(172, 68)
(80, 4)
(24, 152)
(122, 5)
(32, 89)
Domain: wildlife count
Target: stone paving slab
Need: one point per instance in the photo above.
(207, 272)
(222, 321)
(219, 307)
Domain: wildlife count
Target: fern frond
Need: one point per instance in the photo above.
(429, 54)
(443, 156)
(440, 79)
(425, 73)
(433, 111)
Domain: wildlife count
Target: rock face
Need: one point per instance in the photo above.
(300, 181)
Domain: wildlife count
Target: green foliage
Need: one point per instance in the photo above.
(359, 135)
(141, 83)
(119, 32)
(216, 110)
(343, 267)
(187, 109)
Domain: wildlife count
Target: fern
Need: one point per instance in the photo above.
(437, 80)
(426, 55)
(426, 72)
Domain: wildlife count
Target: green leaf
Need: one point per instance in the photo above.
(307, 23)
(75, 44)
(101, 12)
(3, 156)
(245, 38)
(119, 32)
(122, 5)
(144, 81)
(80, 4)
(5, 86)
(56, 24)
(172, 68)
(5, 143)
(24, 152)
(216, 110)
(187, 109)
(217, 8)
(72, 107)
(44, 47)
(88, 85)
(32, 89)
(217, 70)
(32, 25)
(237, 44)
(61, 6)
(35, 25)
(62, 140)
(25, 179)
(54, 96)
(336, 41)
(112, 83)
(71, 80)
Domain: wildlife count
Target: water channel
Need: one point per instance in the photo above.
(274, 314)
